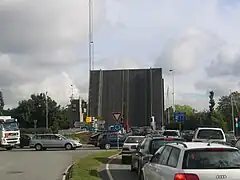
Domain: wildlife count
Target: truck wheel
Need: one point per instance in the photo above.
(9, 148)
(38, 147)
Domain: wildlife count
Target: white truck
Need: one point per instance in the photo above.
(9, 132)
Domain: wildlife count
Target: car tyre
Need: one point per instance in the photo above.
(38, 147)
(132, 168)
(141, 177)
(68, 146)
(9, 148)
(124, 160)
(107, 146)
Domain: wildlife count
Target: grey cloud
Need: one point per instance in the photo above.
(216, 85)
(227, 63)
(189, 50)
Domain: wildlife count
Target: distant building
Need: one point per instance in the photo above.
(136, 93)
(77, 108)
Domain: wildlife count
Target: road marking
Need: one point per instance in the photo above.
(107, 166)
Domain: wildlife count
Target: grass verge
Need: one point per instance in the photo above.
(87, 168)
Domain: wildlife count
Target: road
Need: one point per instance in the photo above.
(27, 164)
(120, 171)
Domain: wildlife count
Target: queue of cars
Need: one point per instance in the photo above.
(210, 155)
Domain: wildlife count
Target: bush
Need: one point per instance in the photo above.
(35, 131)
(83, 137)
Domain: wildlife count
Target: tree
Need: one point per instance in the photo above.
(211, 103)
(225, 108)
(1, 103)
(35, 109)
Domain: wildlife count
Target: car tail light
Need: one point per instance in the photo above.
(184, 176)
(169, 139)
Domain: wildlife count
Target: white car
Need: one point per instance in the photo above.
(129, 146)
(207, 134)
(193, 161)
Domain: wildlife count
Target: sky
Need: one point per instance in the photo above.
(44, 45)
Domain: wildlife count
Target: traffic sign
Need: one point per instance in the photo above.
(180, 116)
(116, 115)
(88, 119)
(77, 124)
(117, 127)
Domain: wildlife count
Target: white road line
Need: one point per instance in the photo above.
(107, 166)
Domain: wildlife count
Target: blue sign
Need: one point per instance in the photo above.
(117, 127)
(180, 117)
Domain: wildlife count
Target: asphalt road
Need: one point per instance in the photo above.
(27, 164)
(121, 171)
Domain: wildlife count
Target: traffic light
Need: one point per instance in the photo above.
(236, 122)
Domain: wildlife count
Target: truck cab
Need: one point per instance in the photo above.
(9, 132)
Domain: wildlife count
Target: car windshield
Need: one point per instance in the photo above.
(213, 158)
(170, 133)
(210, 134)
(134, 139)
(10, 126)
(157, 143)
(63, 137)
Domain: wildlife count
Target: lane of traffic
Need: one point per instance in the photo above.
(29, 164)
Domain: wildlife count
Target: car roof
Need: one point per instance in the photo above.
(171, 130)
(135, 136)
(200, 145)
(209, 128)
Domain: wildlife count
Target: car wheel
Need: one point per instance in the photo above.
(107, 146)
(38, 147)
(138, 170)
(68, 146)
(132, 168)
(123, 160)
(9, 148)
(141, 177)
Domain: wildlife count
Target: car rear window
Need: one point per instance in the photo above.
(212, 158)
(209, 134)
(134, 139)
(170, 133)
(157, 143)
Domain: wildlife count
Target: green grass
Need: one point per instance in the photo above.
(87, 168)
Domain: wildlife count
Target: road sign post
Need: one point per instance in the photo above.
(118, 141)
(116, 115)
(180, 117)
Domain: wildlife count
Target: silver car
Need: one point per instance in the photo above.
(44, 141)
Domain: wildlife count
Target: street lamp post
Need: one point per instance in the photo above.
(173, 90)
(46, 102)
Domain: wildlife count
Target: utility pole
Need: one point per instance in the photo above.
(100, 90)
(173, 89)
(72, 94)
(46, 96)
(90, 48)
(151, 93)
(233, 119)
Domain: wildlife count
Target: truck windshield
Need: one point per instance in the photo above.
(10, 126)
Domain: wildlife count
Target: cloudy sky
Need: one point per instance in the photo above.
(44, 45)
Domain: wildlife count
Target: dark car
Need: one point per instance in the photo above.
(187, 135)
(94, 139)
(24, 140)
(111, 140)
(147, 149)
